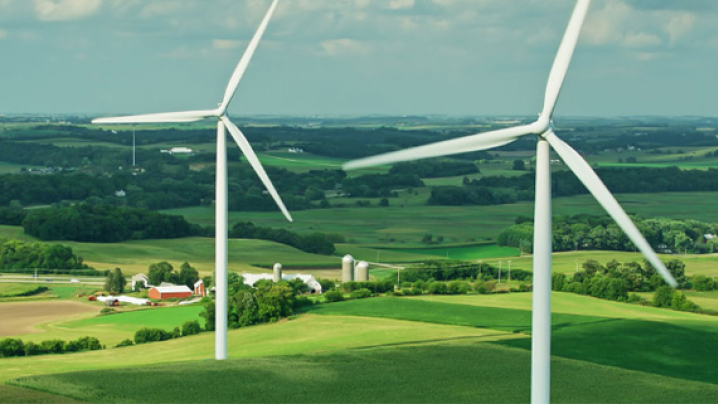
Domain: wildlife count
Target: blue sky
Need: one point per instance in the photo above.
(355, 57)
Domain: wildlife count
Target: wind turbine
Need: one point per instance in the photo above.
(223, 121)
(543, 128)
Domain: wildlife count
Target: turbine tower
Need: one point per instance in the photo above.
(223, 122)
(543, 128)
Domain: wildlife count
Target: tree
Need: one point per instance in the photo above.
(160, 272)
(191, 328)
(188, 275)
(115, 282)
(519, 165)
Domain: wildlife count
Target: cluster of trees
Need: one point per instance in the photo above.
(430, 271)
(263, 303)
(145, 335)
(16, 347)
(164, 272)
(115, 281)
(435, 168)
(316, 243)
(377, 185)
(494, 190)
(615, 280)
(105, 224)
(19, 257)
(588, 232)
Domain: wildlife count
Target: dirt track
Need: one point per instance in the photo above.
(22, 317)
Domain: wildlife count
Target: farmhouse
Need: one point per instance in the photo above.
(169, 292)
(140, 279)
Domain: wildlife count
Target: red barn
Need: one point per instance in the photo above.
(169, 292)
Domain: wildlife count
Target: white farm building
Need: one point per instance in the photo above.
(312, 283)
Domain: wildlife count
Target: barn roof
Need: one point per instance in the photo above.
(172, 289)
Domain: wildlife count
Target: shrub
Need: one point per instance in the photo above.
(361, 293)
(635, 298)
(480, 287)
(703, 283)
(191, 328)
(107, 310)
(327, 284)
(126, 342)
(145, 335)
(458, 287)
(420, 285)
(438, 288)
(333, 296)
(11, 347)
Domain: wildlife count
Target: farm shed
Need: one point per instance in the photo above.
(199, 289)
(169, 292)
(312, 283)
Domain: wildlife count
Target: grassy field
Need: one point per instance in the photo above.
(31, 319)
(603, 352)
(444, 373)
(679, 347)
(17, 289)
(307, 333)
(475, 252)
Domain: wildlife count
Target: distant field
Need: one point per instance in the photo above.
(409, 224)
(475, 252)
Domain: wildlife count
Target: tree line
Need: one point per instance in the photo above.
(494, 190)
(589, 232)
(17, 347)
(21, 257)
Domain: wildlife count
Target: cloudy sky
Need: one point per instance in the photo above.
(354, 57)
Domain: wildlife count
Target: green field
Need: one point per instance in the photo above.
(17, 289)
(471, 348)
(475, 252)
(442, 373)
(112, 328)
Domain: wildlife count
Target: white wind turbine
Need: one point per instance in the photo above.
(543, 128)
(223, 121)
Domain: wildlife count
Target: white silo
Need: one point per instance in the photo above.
(362, 272)
(347, 268)
(277, 274)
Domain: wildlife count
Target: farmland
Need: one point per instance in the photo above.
(448, 340)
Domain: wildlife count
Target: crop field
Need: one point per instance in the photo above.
(17, 289)
(24, 318)
(110, 329)
(409, 224)
(470, 348)
(475, 252)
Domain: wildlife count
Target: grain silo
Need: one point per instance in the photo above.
(362, 272)
(347, 268)
(277, 275)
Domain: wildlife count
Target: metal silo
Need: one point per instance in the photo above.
(362, 272)
(347, 268)
(277, 275)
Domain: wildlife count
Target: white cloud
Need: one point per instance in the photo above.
(678, 25)
(640, 40)
(160, 8)
(344, 46)
(65, 10)
(604, 26)
(225, 44)
(400, 4)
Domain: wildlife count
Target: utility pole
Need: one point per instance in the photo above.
(133, 146)
(509, 270)
(500, 262)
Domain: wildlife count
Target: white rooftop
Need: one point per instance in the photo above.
(172, 289)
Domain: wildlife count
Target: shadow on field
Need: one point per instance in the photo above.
(660, 348)
(682, 351)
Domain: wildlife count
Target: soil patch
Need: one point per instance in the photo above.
(19, 318)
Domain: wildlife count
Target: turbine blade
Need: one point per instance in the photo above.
(187, 116)
(243, 144)
(563, 57)
(588, 177)
(246, 57)
(479, 141)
